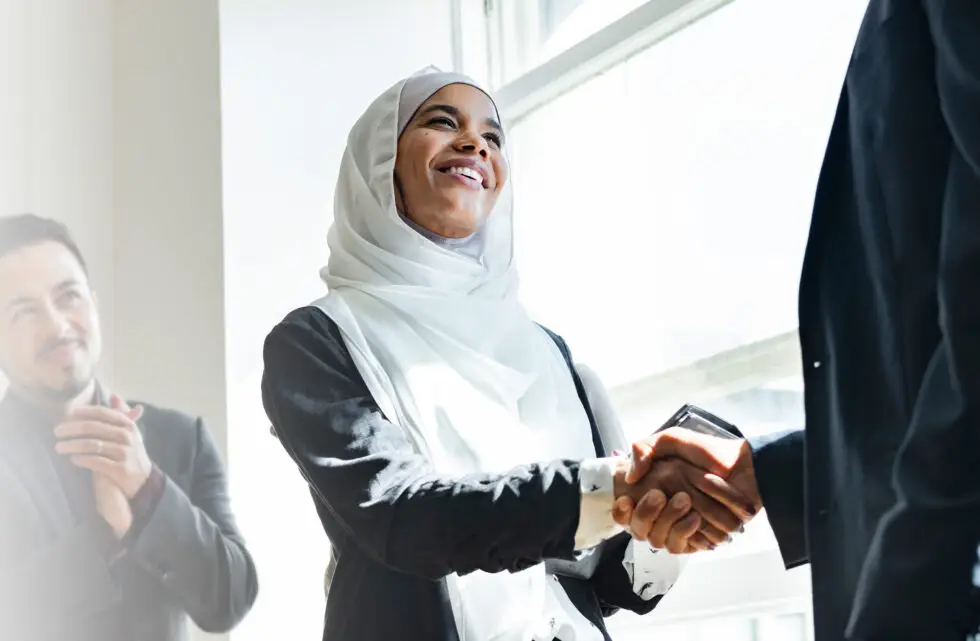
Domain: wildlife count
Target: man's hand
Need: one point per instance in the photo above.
(727, 465)
(112, 505)
(106, 441)
(718, 508)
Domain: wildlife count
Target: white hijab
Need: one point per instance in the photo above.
(445, 347)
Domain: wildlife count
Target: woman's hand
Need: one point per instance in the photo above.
(671, 525)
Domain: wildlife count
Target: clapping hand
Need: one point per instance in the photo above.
(106, 441)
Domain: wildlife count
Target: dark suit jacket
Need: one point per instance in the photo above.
(397, 528)
(61, 573)
(890, 332)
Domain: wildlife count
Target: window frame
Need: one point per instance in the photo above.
(636, 31)
(478, 51)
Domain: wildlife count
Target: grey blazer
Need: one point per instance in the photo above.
(62, 575)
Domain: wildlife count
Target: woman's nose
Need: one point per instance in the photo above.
(473, 143)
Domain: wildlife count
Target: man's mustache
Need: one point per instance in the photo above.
(64, 342)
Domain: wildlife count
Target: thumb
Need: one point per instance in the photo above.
(135, 413)
(642, 462)
(117, 403)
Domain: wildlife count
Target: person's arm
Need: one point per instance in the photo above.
(192, 544)
(386, 496)
(918, 577)
(778, 460)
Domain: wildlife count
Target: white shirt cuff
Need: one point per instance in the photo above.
(652, 572)
(595, 523)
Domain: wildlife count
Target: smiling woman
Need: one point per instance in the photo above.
(450, 167)
(459, 461)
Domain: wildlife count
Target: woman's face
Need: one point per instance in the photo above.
(450, 167)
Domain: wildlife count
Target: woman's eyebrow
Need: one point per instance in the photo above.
(449, 109)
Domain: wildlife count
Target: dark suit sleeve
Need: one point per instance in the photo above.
(193, 545)
(779, 471)
(55, 585)
(925, 548)
(387, 497)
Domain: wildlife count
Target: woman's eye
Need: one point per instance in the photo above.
(494, 138)
(442, 121)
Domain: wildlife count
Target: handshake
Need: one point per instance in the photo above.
(686, 491)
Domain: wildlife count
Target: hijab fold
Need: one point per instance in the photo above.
(445, 347)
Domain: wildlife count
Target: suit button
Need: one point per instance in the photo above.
(817, 364)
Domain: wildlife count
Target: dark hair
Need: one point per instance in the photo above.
(24, 230)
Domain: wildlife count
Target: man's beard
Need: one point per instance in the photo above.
(68, 391)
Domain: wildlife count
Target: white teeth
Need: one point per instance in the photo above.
(466, 171)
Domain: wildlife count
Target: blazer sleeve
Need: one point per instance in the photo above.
(924, 552)
(385, 496)
(192, 544)
(778, 460)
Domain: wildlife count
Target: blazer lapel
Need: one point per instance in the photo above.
(32, 467)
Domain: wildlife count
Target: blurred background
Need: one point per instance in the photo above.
(665, 153)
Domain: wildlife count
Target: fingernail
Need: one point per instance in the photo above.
(681, 501)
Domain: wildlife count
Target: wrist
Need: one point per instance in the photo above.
(136, 488)
(596, 518)
(119, 524)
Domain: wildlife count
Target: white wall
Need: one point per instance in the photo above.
(56, 125)
(167, 217)
(295, 76)
(168, 234)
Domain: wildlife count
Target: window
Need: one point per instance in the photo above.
(531, 32)
(665, 156)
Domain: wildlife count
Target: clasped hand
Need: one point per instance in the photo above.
(686, 491)
(106, 441)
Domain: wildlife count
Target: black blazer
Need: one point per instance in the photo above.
(59, 578)
(890, 333)
(397, 528)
